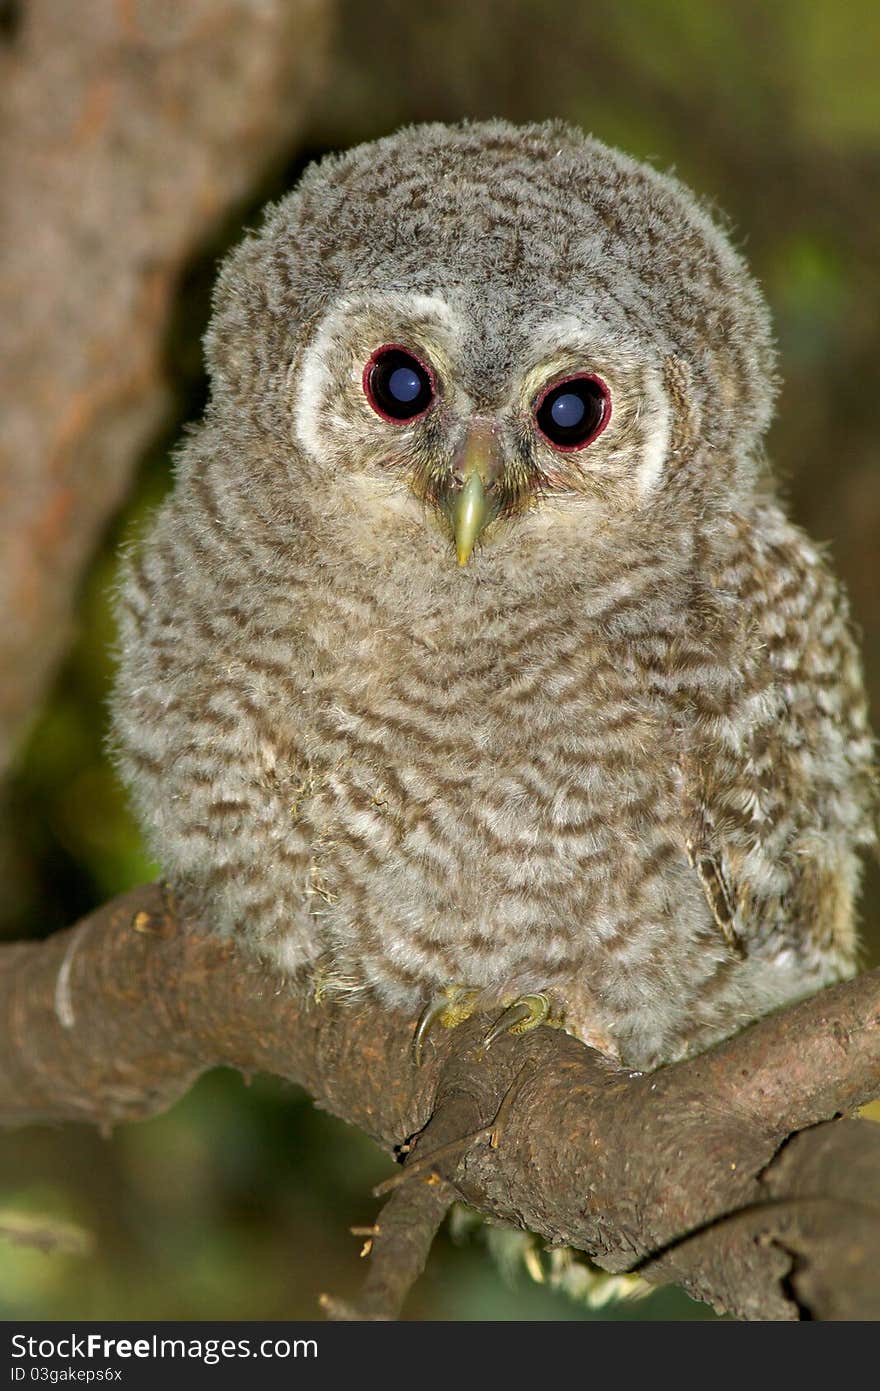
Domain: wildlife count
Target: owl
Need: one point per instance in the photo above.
(472, 663)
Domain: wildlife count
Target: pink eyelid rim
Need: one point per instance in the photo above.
(606, 412)
(367, 373)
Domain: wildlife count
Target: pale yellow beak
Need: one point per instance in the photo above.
(470, 515)
(473, 507)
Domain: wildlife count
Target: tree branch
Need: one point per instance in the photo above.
(725, 1174)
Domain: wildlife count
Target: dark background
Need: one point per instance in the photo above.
(237, 1203)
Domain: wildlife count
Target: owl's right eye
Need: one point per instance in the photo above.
(397, 384)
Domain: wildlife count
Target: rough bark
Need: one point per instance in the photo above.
(126, 131)
(727, 1174)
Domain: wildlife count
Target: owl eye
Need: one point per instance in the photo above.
(397, 384)
(571, 413)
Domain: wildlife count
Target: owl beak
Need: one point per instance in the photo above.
(475, 471)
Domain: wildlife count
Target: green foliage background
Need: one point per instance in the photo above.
(237, 1203)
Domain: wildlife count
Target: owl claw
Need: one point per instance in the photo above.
(457, 1003)
(451, 1008)
(520, 1017)
(428, 1017)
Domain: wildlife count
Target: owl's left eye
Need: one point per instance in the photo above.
(397, 384)
(571, 413)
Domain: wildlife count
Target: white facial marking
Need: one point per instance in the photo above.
(332, 336)
(657, 421)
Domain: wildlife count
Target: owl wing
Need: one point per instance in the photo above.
(206, 728)
(779, 779)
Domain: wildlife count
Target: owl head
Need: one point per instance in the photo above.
(489, 345)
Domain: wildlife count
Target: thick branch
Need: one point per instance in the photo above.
(689, 1174)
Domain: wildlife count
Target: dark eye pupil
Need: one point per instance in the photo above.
(573, 413)
(397, 384)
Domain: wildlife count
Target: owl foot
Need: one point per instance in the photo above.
(520, 1017)
(450, 1008)
(458, 1002)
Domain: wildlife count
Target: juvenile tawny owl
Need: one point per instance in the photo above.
(472, 663)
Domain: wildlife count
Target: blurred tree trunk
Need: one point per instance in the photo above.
(128, 130)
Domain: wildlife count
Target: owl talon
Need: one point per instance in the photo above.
(520, 1017)
(451, 1008)
(428, 1017)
